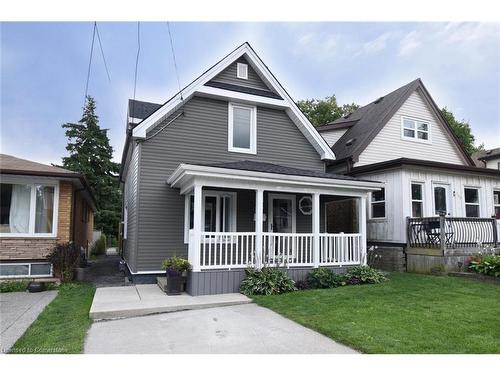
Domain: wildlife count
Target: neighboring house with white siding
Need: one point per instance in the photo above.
(402, 139)
(488, 158)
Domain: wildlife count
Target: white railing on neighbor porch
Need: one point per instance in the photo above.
(231, 250)
(340, 249)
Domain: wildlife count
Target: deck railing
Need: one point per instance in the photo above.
(451, 232)
(232, 250)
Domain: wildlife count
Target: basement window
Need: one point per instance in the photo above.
(21, 270)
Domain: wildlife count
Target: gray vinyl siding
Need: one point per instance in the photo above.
(200, 136)
(131, 201)
(228, 75)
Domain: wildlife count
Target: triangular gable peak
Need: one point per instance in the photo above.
(277, 97)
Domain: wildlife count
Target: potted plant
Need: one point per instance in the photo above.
(176, 269)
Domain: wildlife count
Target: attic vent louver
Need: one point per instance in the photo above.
(350, 141)
(378, 100)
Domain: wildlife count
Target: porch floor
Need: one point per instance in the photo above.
(146, 299)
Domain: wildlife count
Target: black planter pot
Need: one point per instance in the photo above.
(175, 282)
(35, 287)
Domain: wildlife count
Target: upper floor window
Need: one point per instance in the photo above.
(496, 203)
(417, 200)
(27, 209)
(415, 129)
(242, 129)
(378, 204)
(242, 71)
(471, 202)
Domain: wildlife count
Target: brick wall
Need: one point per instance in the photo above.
(38, 248)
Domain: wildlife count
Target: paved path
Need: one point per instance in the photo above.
(104, 272)
(233, 329)
(17, 312)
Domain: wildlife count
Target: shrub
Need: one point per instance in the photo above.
(99, 246)
(321, 278)
(13, 286)
(364, 275)
(487, 265)
(175, 264)
(266, 281)
(64, 258)
(302, 285)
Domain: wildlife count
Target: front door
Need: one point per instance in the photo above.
(281, 213)
(441, 198)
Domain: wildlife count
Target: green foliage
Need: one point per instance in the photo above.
(365, 275)
(175, 263)
(99, 246)
(91, 154)
(22, 285)
(266, 281)
(62, 326)
(323, 111)
(462, 130)
(487, 265)
(64, 258)
(322, 278)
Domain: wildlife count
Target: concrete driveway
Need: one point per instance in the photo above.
(232, 329)
(17, 312)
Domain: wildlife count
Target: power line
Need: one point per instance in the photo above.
(102, 52)
(137, 61)
(173, 56)
(90, 64)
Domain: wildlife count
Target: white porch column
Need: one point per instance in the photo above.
(196, 239)
(259, 219)
(315, 228)
(362, 227)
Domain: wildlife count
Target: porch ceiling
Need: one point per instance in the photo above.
(266, 176)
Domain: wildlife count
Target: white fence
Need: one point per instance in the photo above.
(231, 250)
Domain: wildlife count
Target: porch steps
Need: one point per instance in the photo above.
(146, 299)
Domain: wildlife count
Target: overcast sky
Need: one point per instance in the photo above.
(44, 70)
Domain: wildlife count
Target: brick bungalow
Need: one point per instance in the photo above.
(40, 206)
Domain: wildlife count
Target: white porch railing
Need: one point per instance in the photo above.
(337, 249)
(230, 250)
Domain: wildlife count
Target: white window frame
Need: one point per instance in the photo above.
(29, 275)
(242, 70)
(370, 207)
(415, 138)
(495, 205)
(210, 193)
(421, 201)
(253, 129)
(291, 197)
(32, 183)
(478, 204)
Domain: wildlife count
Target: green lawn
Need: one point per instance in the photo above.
(409, 314)
(62, 326)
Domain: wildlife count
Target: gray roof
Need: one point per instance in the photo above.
(9, 163)
(479, 156)
(256, 166)
(366, 122)
(140, 110)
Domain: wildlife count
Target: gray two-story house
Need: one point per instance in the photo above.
(230, 174)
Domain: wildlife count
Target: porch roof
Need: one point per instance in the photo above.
(254, 175)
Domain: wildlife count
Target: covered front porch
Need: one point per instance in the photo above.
(250, 214)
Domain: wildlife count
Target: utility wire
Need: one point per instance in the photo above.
(90, 64)
(102, 52)
(173, 56)
(137, 62)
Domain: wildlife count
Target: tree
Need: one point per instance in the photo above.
(323, 111)
(91, 154)
(462, 130)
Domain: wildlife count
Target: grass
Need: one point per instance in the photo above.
(62, 325)
(410, 313)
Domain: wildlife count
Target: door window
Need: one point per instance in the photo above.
(440, 199)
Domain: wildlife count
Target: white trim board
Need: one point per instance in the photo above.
(261, 69)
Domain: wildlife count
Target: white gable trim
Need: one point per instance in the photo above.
(261, 69)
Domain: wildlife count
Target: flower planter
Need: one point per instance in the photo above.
(175, 282)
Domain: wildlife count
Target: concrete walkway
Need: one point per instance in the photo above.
(140, 300)
(17, 312)
(233, 329)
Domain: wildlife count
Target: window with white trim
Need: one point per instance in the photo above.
(471, 198)
(377, 204)
(242, 128)
(218, 212)
(417, 199)
(242, 71)
(415, 129)
(28, 209)
(12, 270)
(496, 203)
